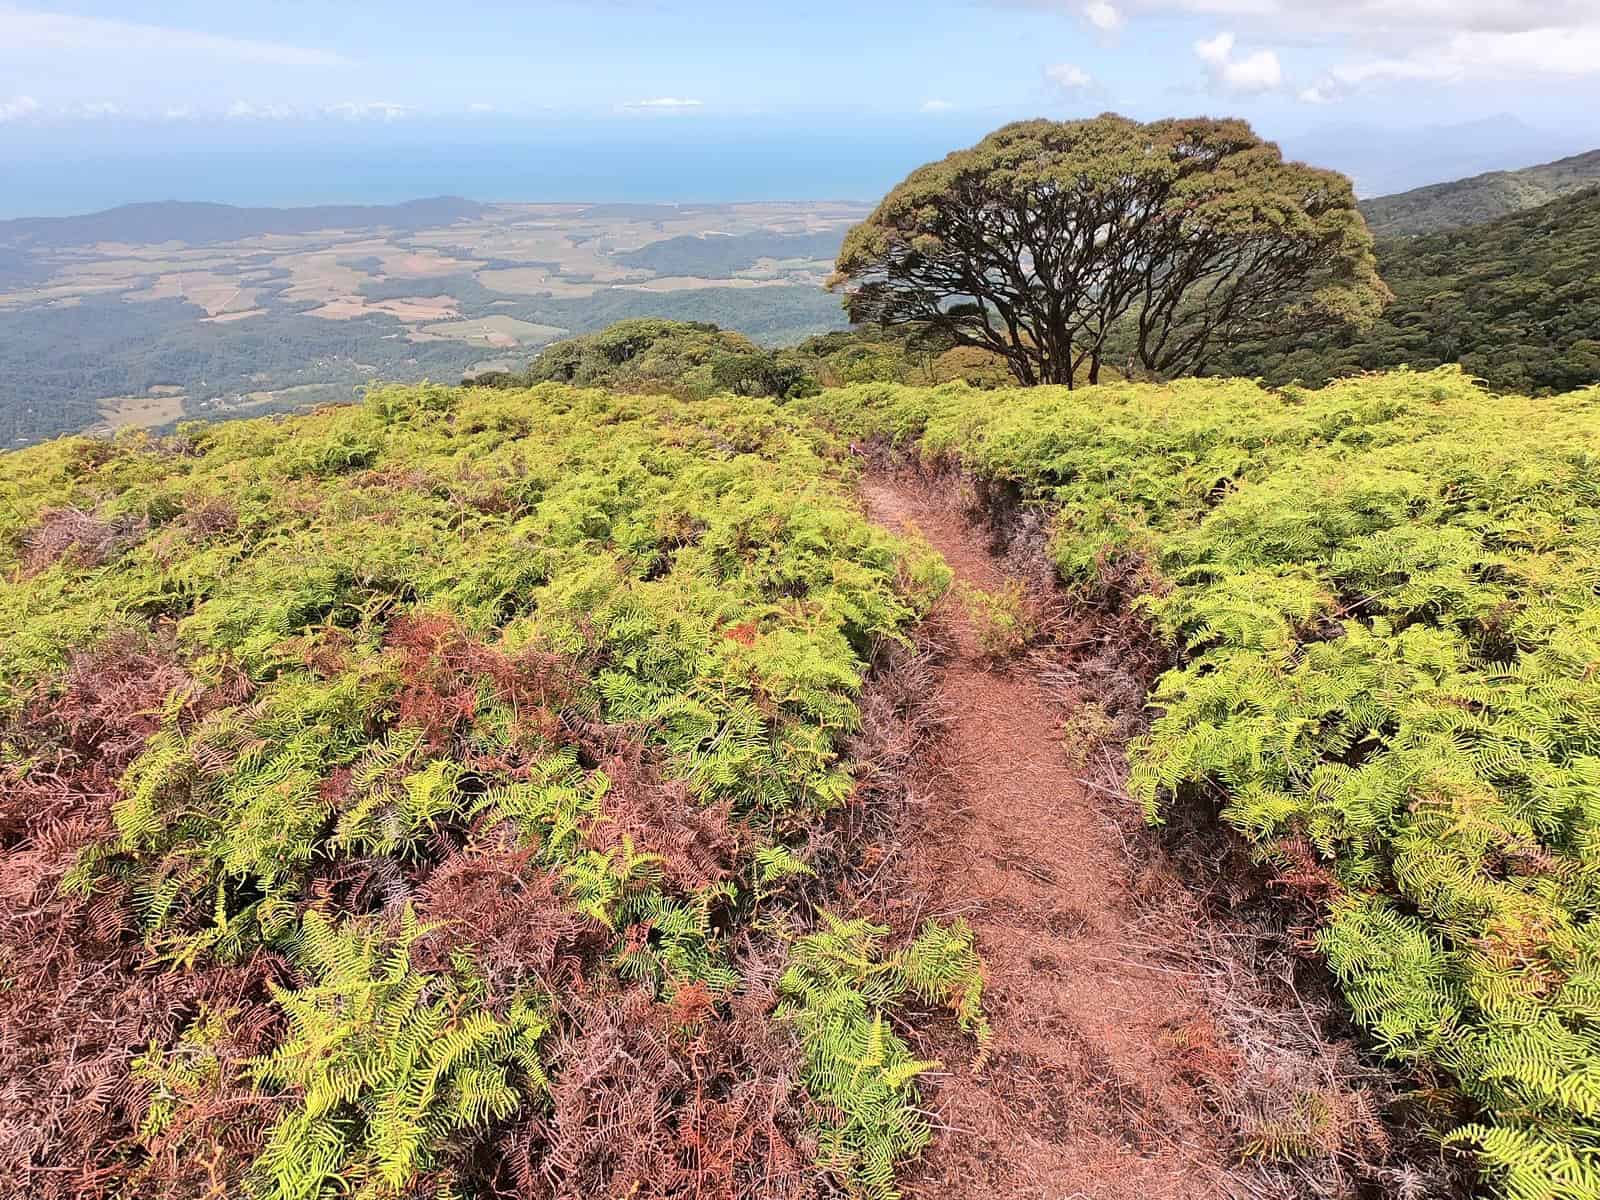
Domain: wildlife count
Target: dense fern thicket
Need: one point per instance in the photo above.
(683, 358)
(1381, 600)
(436, 795)
(695, 360)
(428, 797)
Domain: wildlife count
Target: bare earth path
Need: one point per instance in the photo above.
(1089, 1092)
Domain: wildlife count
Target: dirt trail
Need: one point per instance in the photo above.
(1090, 1092)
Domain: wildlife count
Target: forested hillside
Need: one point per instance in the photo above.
(1464, 202)
(696, 359)
(722, 256)
(1516, 302)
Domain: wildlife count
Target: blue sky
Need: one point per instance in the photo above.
(154, 78)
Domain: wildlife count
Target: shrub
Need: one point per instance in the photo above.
(1002, 621)
(449, 734)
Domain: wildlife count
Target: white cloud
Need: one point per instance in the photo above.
(1068, 77)
(481, 108)
(1215, 51)
(243, 110)
(17, 108)
(1468, 57)
(663, 104)
(1570, 52)
(937, 106)
(97, 110)
(1256, 72)
(372, 110)
(1322, 18)
(1380, 41)
(1414, 41)
(61, 33)
(1102, 15)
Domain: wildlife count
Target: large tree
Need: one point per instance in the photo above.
(1050, 242)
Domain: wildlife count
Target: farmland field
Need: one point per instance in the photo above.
(211, 304)
(497, 332)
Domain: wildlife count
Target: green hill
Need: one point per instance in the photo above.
(1464, 202)
(1516, 302)
(723, 256)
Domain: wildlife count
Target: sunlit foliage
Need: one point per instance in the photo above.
(1381, 603)
(483, 716)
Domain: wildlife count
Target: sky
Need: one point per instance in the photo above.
(1387, 89)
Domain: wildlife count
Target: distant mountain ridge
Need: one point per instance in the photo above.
(198, 223)
(1481, 198)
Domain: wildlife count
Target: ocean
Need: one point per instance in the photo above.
(846, 164)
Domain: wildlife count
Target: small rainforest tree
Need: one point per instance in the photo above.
(1051, 242)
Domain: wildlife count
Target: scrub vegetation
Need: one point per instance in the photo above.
(562, 785)
(439, 793)
(434, 795)
(1379, 601)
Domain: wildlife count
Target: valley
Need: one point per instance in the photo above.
(155, 313)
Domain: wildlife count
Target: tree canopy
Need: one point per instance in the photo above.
(1058, 244)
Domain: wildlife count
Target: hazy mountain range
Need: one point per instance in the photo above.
(1482, 198)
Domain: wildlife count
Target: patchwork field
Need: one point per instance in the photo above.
(497, 332)
(100, 315)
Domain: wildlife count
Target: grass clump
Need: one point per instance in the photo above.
(1001, 621)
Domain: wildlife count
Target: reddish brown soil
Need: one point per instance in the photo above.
(1090, 1091)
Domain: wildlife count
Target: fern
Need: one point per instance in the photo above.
(387, 1063)
(1380, 601)
(836, 990)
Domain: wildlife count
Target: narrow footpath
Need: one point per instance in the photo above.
(1094, 1088)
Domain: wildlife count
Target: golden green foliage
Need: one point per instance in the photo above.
(1002, 621)
(1381, 598)
(386, 1062)
(836, 990)
(975, 367)
(413, 634)
(683, 358)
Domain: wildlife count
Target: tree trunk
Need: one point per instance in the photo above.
(1055, 365)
